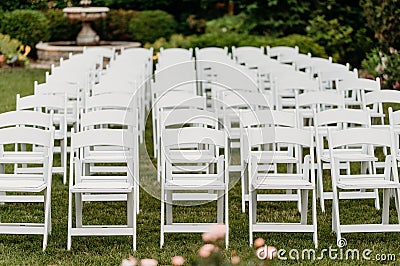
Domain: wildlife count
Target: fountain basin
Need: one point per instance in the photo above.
(50, 52)
(85, 13)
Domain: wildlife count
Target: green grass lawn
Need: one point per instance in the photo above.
(27, 250)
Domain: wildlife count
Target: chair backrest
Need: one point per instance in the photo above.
(26, 118)
(211, 53)
(239, 54)
(124, 140)
(295, 139)
(285, 85)
(172, 56)
(46, 103)
(119, 101)
(185, 118)
(337, 119)
(127, 119)
(318, 101)
(283, 54)
(369, 138)
(28, 136)
(381, 96)
(267, 118)
(174, 76)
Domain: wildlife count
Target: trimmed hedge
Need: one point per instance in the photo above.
(28, 26)
(116, 25)
(60, 27)
(150, 25)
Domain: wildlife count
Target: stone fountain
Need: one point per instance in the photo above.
(51, 52)
(87, 36)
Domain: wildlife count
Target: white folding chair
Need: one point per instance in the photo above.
(106, 183)
(209, 176)
(353, 88)
(339, 119)
(263, 119)
(30, 183)
(374, 101)
(263, 176)
(354, 180)
(286, 84)
(46, 104)
(318, 101)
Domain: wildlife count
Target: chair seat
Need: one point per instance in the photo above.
(290, 181)
(365, 182)
(185, 156)
(194, 184)
(273, 157)
(21, 184)
(102, 187)
(354, 155)
(105, 157)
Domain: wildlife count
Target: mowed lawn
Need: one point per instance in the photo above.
(27, 250)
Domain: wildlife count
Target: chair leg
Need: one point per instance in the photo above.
(78, 209)
(220, 206)
(69, 241)
(397, 202)
(320, 186)
(137, 190)
(63, 145)
(304, 206)
(242, 179)
(162, 219)
(314, 217)
(335, 214)
(251, 198)
(226, 219)
(385, 207)
(168, 207)
(46, 217)
(131, 216)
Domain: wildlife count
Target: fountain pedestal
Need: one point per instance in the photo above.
(87, 36)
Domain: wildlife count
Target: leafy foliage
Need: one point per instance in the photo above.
(150, 25)
(280, 18)
(28, 26)
(384, 19)
(384, 65)
(330, 34)
(61, 29)
(116, 25)
(11, 49)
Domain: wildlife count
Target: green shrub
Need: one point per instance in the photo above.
(335, 37)
(60, 27)
(28, 26)
(238, 23)
(383, 65)
(150, 25)
(11, 48)
(115, 26)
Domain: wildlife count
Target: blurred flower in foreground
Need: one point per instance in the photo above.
(148, 262)
(131, 261)
(177, 261)
(216, 232)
